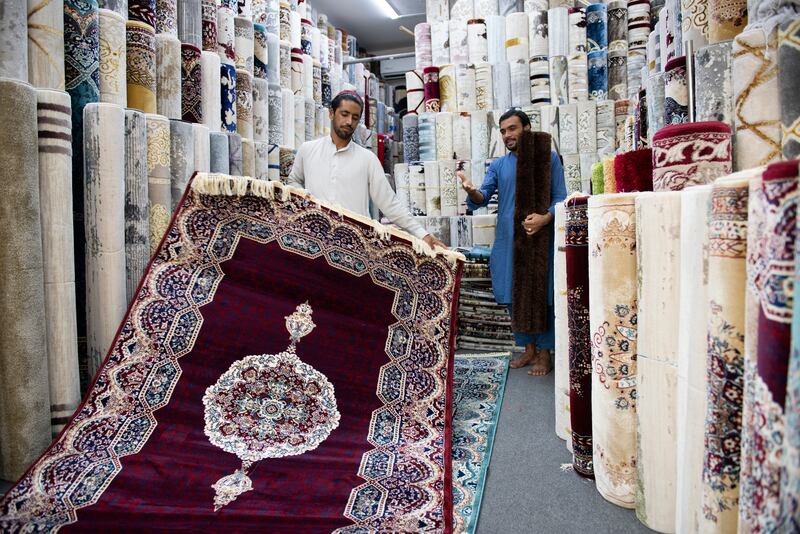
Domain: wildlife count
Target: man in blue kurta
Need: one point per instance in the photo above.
(501, 177)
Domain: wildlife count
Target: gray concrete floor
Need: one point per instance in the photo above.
(526, 490)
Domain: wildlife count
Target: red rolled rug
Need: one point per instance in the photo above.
(430, 79)
(580, 350)
(283, 367)
(690, 154)
(634, 171)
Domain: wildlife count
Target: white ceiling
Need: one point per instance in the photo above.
(375, 32)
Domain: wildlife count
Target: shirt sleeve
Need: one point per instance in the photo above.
(558, 189)
(384, 199)
(297, 177)
(487, 188)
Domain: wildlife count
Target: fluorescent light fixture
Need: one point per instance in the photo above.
(386, 8)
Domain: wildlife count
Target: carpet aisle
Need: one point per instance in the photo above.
(526, 492)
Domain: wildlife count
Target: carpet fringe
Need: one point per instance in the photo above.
(567, 467)
(224, 185)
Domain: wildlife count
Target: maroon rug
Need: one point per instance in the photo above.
(580, 342)
(219, 392)
(634, 171)
(690, 154)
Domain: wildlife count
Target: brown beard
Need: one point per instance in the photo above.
(342, 134)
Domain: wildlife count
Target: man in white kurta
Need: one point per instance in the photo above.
(339, 171)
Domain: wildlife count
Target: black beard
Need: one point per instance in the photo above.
(342, 134)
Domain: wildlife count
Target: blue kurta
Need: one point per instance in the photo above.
(502, 177)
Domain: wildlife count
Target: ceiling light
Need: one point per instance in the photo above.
(386, 8)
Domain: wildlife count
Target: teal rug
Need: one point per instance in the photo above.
(478, 385)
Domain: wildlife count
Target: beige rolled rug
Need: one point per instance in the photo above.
(137, 223)
(104, 213)
(211, 90)
(46, 43)
(25, 408)
(692, 347)
(727, 278)
(613, 324)
(202, 148)
(158, 177)
(13, 40)
(168, 60)
(55, 197)
(563, 426)
(658, 220)
(757, 110)
(181, 160)
(248, 157)
(113, 80)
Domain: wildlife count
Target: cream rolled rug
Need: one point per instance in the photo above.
(218, 147)
(244, 103)
(433, 190)
(137, 234)
(658, 220)
(55, 199)
(444, 135)
(299, 121)
(13, 40)
(275, 113)
(563, 426)
(168, 68)
(401, 185)
(260, 110)
(757, 110)
(613, 322)
(727, 278)
(190, 22)
(158, 178)
(462, 136)
(416, 178)
(113, 78)
(211, 90)
(202, 148)
(181, 141)
(104, 213)
(262, 160)
(479, 135)
(449, 184)
(692, 348)
(287, 105)
(248, 158)
(25, 411)
(46, 43)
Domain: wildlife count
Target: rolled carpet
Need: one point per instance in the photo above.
(244, 44)
(112, 37)
(727, 234)
(13, 40)
(104, 215)
(275, 114)
(235, 154)
(676, 92)
(609, 180)
(143, 11)
(46, 44)
(531, 252)
(141, 67)
(770, 272)
(158, 177)
(692, 347)
(727, 19)
(248, 157)
(598, 179)
(220, 160)
(658, 218)
(580, 345)
(228, 97)
(410, 137)
(430, 80)
(169, 74)
(167, 17)
(190, 22)
(25, 411)
(202, 148)
(448, 90)
(260, 110)
(433, 189)
(181, 140)
(209, 22)
(55, 199)
(713, 74)
(633, 171)
(210, 96)
(244, 103)
(137, 234)
(788, 72)
(449, 184)
(191, 84)
(561, 363)
(286, 162)
(757, 107)
(613, 324)
(444, 135)
(690, 154)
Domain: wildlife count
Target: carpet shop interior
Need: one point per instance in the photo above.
(190, 344)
